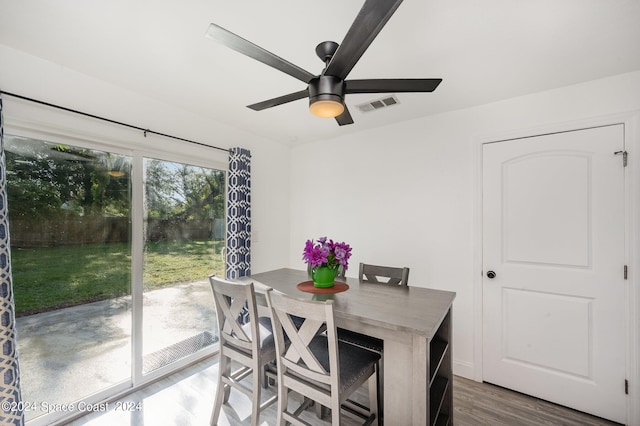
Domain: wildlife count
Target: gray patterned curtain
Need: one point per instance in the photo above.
(11, 410)
(239, 214)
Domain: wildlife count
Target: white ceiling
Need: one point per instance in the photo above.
(483, 50)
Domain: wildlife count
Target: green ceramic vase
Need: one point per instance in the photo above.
(323, 276)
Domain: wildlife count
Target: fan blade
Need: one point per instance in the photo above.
(370, 20)
(279, 100)
(344, 118)
(383, 85)
(237, 43)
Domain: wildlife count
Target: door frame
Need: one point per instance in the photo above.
(631, 122)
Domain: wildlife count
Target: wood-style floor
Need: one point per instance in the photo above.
(186, 399)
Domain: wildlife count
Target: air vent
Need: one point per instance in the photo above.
(378, 104)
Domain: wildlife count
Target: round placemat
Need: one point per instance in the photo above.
(308, 287)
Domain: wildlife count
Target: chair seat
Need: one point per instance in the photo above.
(355, 362)
(267, 341)
(266, 332)
(361, 340)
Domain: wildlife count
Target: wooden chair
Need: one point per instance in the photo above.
(249, 344)
(384, 274)
(316, 365)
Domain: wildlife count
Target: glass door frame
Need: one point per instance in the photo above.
(86, 133)
(137, 268)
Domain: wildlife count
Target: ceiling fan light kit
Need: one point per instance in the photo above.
(326, 92)
(326, 108)
(326, 96)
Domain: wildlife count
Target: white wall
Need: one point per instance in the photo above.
(32, 77)
(400, 195)
(404, 194)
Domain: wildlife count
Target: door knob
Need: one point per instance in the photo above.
(491, 274)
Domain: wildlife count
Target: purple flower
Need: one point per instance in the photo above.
(315, 254)
(326, 253)
(342, 253)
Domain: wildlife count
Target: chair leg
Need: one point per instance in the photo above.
(335, 415)
(265, 378)
(222, 392)
(257, 375)
(217, 406)
(225, 371)
(319, 410)
(283, 402)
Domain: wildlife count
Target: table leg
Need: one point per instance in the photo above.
(405, 382)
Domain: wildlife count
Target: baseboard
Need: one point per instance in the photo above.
(464, 369)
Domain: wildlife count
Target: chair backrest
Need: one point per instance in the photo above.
(298, 356)
(233, 301)
(378, 274)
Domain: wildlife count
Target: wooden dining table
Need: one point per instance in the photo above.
(414, 324)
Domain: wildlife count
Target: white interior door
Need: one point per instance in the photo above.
(553, 234)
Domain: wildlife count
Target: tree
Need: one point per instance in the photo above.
(47, 180)
(182, 192)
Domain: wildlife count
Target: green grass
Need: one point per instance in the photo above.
(54, 277)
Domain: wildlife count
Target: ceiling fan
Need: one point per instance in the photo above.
(326, 91)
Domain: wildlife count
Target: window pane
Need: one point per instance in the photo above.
(184, 241)
(69, 222)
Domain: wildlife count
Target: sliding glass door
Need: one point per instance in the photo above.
(90, 321)
(69, 219)
(183, 244)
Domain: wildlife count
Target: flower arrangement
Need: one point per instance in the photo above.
(328, 253)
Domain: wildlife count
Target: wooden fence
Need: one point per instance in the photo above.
(75, 230)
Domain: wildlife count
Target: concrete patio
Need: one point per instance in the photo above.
(70, 353)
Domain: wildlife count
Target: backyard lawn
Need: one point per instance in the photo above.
(54, 277)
